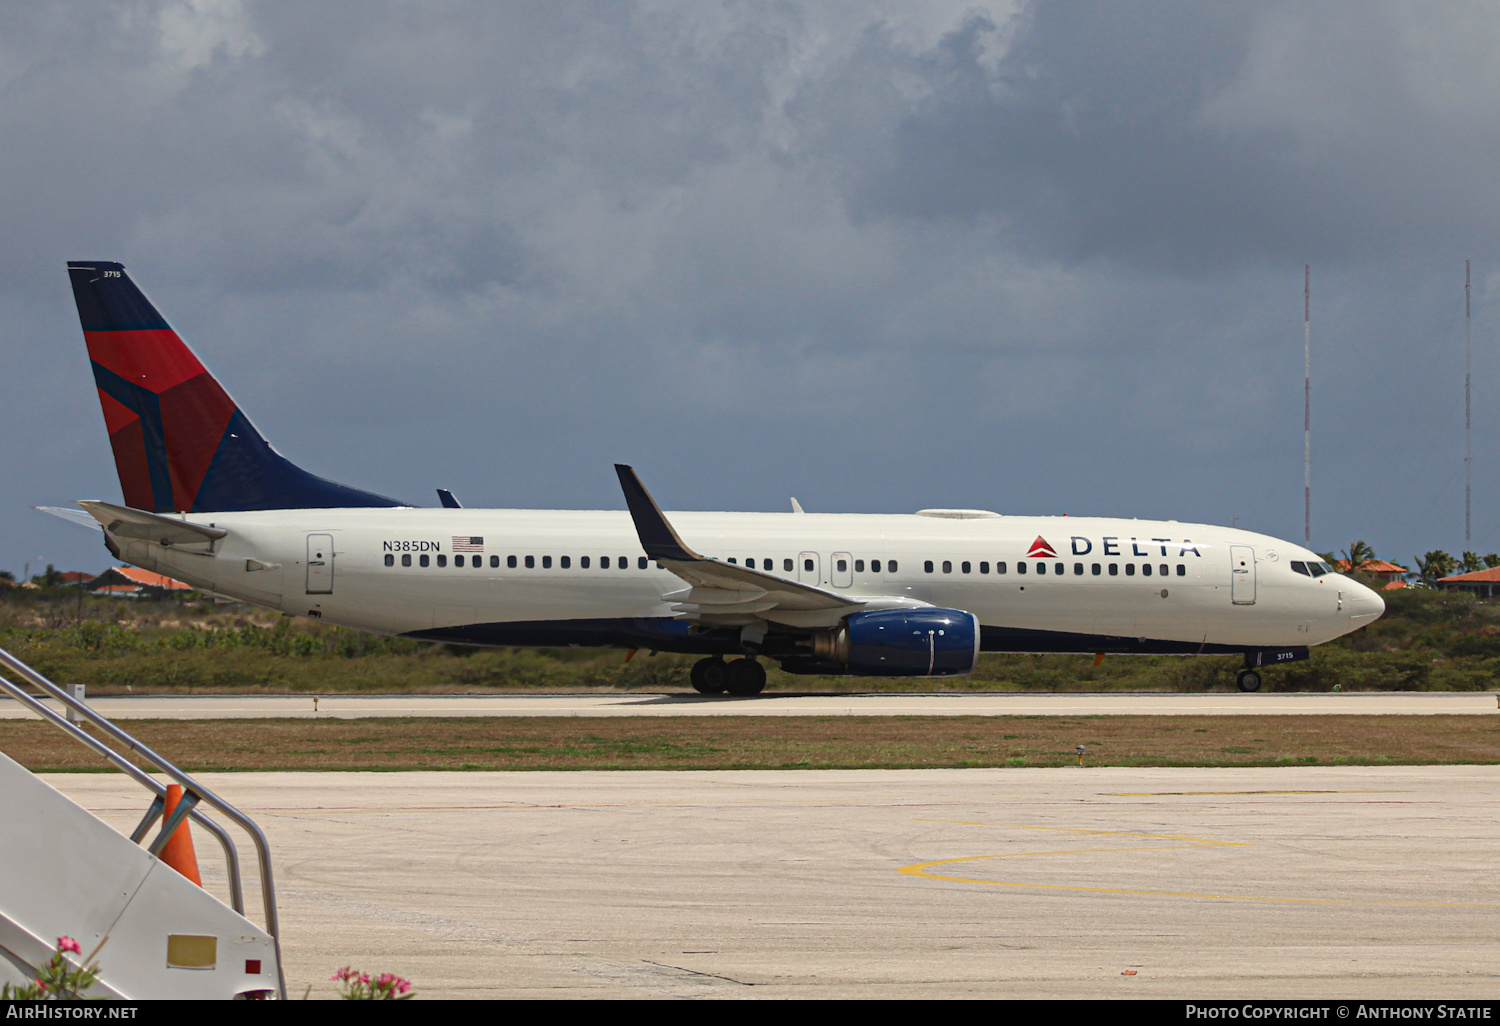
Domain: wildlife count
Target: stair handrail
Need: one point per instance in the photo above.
(231, 854)
(165, 766)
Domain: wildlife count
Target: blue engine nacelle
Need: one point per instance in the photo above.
(895, 643)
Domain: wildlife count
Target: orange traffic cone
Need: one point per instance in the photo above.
(178, 852)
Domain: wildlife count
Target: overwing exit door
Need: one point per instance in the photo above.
(320, 564)
(808, 571)
(1242, 577)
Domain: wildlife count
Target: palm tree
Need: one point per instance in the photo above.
(1436, 564)
(1358, 555)
(1470, 562)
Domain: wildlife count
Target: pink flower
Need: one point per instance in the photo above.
(68, 944)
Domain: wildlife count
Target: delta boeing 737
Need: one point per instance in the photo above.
(208, 501)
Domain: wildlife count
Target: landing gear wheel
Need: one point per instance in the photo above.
(1248, 680)
(746, 677)
(709, 676)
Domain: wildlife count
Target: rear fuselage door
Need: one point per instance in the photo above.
(808, 571)
(841, 570)
(320, 564)
(1242, 580)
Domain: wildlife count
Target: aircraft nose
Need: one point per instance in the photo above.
(1361, 604)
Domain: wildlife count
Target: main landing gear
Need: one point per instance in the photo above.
(713, 676)
(1248, 680)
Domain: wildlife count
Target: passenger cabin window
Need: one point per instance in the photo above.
(786, 565)
(1129, 569)
(1095, 569)
(807, 565)
(458, 561)
(406, 560)
(927, 565)
(624, 562)
(1146, 570)
(583, 562)
(442, 560)
(842, 565)
(984, 567)
(1164, 569)
(964, 566)
(1061, 569)
(641, 562)
(890, 565)
(859, 566)
(1041, 567)
(733, 560)
(495, 562)
(1021, 567)
(422, 560)
(530, 562)
(875, 566)
(546, 562)
(947, 566)
(1181, 570)
(390, 560)
(1114, 569)
(603, 562)
(564, 562)
(1000, 568)
(510, 561)
(1077, 569)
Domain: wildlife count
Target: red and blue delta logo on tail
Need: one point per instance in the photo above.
(181, 443)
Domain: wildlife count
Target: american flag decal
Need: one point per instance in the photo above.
(467, 543)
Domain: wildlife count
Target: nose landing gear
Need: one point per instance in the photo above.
(713, 676)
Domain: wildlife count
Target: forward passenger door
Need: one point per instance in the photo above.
(1242, 575)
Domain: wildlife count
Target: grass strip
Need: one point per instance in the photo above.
(779, 742)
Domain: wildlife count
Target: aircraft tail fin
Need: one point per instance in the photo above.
(181, 444)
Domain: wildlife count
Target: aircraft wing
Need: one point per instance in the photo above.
(722, 593)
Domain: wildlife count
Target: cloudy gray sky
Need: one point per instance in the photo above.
(884, 255)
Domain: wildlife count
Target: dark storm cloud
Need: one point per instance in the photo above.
(1191, 136)
(880, 255)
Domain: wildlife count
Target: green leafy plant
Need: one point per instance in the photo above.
(61, 979)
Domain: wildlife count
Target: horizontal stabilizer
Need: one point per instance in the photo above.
(124, 522)
(76, 516)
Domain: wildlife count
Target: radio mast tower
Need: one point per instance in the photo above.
(1468, 447)
(1307, 404)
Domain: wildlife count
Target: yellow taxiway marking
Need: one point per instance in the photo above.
(1167, 794)
(1080, 830)
(922, 869)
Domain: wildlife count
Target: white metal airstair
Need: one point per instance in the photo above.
(64, 871)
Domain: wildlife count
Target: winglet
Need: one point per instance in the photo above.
(447, 499)
(657, 536)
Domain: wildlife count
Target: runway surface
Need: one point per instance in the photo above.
(1308, 882)
(986, 704)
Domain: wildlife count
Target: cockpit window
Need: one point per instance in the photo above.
(1300, 567)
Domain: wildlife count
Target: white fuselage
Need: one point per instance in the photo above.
(1165, 584)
